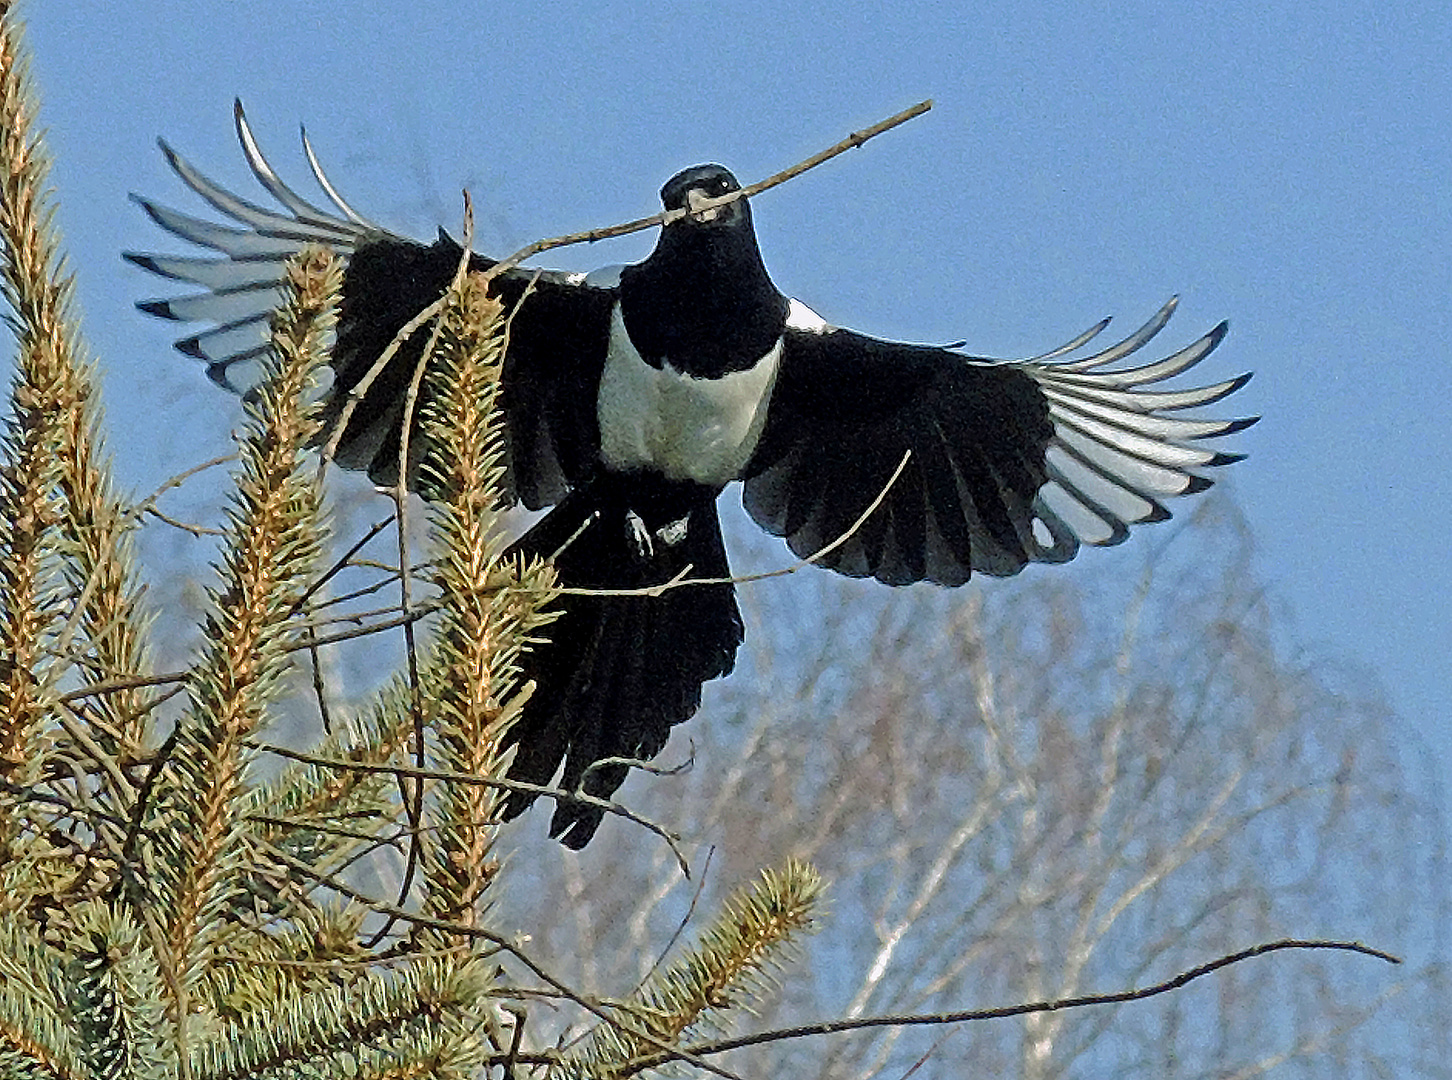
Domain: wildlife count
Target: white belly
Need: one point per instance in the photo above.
(681, 427)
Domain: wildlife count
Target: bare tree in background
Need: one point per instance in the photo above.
(1035, 791)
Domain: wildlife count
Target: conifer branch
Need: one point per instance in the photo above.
(274, 541)
(297, 813)
(115, 997)
(451, 776)
(486, 608)
(731, 965)
(53, 444)
(38, 294)
(35, 1039)
(427, 1012)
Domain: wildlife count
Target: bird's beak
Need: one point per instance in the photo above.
(703, 208)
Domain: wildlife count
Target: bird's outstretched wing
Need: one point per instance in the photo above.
(1011, 461)
(557, 342)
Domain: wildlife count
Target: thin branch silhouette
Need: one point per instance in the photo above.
(832, 1027)
(417, 773)
(665, 217)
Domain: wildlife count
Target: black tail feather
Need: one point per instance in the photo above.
(616, 673)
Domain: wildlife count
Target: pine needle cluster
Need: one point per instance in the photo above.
(166, 909)
(733, 964)
(488, 606)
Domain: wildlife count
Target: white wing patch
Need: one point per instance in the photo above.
(801, 317)
(684, 428)
(604, 277)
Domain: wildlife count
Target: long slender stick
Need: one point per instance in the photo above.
(589, 236)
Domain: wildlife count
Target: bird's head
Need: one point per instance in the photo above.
(690, 188)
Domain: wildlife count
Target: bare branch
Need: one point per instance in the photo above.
(590, 236)
(342, 561)
(833, 1027)
(178, 480)
(420, 773)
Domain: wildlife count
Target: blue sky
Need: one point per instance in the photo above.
(1284, 165)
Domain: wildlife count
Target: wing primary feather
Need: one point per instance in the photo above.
(220, 306)
(264, 221)
(1063, 543)
(1116, 530)
(1112, 493)
(160, 308)
(229, 204)
(1069, 346)
(236, 243)
(268, 177)
(1147, 424)
(1054, 504)
(220, 371)
(1129, 468)
(1144, 447)
(1135, 341)
(332, 193)
(1091, 388)
(215, 274)
(1158, 370)
(228, 339)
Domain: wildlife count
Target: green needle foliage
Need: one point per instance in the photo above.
(732, 965)
(487, 607)
(48, 385)
(273, 543)
(166, 910)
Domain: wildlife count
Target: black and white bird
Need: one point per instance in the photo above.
(633, 398)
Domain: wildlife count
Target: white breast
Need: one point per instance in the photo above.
(670, 423)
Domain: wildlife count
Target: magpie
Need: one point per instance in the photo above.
(632, 397)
